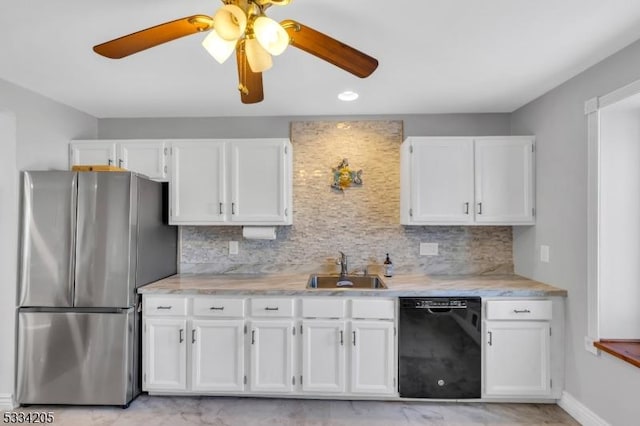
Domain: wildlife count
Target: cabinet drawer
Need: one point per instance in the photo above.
(373, 308)
(268, 307)
(165, 306)
(218, 307)
(518, 309)
(316, 307)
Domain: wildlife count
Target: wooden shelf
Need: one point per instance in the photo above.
(626, 350)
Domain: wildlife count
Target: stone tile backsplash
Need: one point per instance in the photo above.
(362, 221)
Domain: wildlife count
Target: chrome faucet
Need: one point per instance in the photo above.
(343, 264)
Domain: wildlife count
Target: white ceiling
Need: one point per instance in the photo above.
(436, 56)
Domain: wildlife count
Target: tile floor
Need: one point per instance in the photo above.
(230, 411)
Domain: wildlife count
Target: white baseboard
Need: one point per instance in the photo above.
(7, 402)
(579, 411)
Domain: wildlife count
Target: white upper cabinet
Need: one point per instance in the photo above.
(238, 182)
(504, 180)
(93, 153)
(467, 181)
(198, 182)
(443, 170)
(258, 181)
(147, 157)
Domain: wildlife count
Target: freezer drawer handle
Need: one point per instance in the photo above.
(164, 307)
(217, 308)
(522, 311)
(271, 309)
(181, 335)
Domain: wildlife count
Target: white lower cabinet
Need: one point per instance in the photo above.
(349, 355)
(166, 354)
(517, 358)
(324, 355)
(217, 355)
(372, 357)
(517, 348)
(272, 356)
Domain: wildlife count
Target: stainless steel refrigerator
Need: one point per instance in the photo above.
(88, 241)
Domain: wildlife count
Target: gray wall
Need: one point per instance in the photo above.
(271, 127)
(34, 134)
(604, 384)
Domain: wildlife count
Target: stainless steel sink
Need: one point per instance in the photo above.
(346, 281)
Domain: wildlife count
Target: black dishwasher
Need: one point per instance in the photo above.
(439, 347)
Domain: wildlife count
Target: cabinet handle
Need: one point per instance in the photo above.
(479, 208)
(120, 163)
(164, 307)
(354, 338)
(193, 336)
(217, 308)
(490, 338)
(220, 208)
(233, 208)
(181, 335)
(522, 311)
(253, 337)
(341, 338)
(110, 161)
(466, 208)
(271, 309)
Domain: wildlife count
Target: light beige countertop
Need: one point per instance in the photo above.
(398, 286)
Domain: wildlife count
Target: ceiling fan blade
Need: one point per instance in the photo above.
(250, 83)
(150, 37)
(329, 49)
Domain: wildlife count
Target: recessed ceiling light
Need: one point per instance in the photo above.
(348, 96)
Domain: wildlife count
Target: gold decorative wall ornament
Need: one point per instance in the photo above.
(344, 176)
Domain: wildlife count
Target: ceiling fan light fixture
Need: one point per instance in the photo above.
(270, 34)
(230, 22)
(258, 58)
(218, 47)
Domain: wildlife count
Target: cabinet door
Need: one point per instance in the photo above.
(271, 356)
(372, 357)
(323, 356)
(504, 180)
(441, 181)
(197, 182)
(516, 358)
(258, 181)
(146, 157)
(217, 355)
(166, 354)
(92, 153)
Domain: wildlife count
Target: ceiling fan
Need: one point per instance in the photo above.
(242, 25)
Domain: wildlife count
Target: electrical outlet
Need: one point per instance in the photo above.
(544, 254)
(233, 247)
(428, 249)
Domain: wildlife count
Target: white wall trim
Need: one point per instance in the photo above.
(619, 94)
(7, 402)
(579, 411)
(593, 231)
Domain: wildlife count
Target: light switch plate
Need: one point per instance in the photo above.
(428, 249)
(233, 247)
(544, 254)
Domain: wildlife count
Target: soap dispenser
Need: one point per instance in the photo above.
(388, 267)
